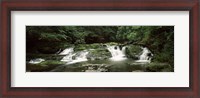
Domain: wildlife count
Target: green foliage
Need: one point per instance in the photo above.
(51, 37)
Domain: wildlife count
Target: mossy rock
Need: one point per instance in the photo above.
(95, 46)
(133, 51)
(99, 54)
(81, 47)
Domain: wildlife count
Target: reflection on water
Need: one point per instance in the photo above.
(99, 66)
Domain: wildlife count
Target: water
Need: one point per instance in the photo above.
(146, 56)
(36, 61)
(117, 53)
(98, 66)
(68, 57)
(78, 62)
(67, 51)
(72, 57)
(80, 57)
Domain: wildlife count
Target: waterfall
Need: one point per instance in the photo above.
(68, 57)
(72, 57)
(66, 51)
(117, 53)
(79, 57)
(145, 56)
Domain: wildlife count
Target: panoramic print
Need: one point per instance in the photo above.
(99, 48)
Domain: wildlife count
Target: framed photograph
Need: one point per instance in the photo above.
(122, 48)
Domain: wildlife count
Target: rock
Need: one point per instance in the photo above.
(90, 70)
(99, 54)
(102, 69)
(96, 67)
(133, 51)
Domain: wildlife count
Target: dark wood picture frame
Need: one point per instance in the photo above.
(99, 5)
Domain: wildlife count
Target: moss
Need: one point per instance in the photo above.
(133, 51)
(94, 46)
(99, 54)
(81, 47)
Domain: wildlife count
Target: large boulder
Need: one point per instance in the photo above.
(133, 51)
(99, 54)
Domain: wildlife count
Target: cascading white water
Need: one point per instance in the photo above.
(68, 57)
(117, 53)
(80, 57)
(72, 57)
(67, 51)
(144, 57)
(36, 61)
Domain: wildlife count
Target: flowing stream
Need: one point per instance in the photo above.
(67, 51)
(118, 62)
(118, 54)
(146, 56)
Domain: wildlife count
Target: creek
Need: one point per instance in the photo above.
(104, 58)
(118, 62)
